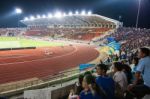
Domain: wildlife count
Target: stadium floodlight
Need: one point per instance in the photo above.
(43, 16)
(76, 12)
(32, 17)
(83, 12)
(58, 15)
(138, 14)
(26, 18)
(18, 10)
(89, 13)
(70, 13)
(38, 16)
(50, 15)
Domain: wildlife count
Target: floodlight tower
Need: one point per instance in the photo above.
(18, 11)
(138, 13)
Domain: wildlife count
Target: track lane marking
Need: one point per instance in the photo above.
(76, 49)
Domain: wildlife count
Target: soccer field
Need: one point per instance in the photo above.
(13, 42)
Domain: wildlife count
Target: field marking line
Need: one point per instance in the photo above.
(76, 49)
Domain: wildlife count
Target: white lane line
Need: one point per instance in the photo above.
(44, 58)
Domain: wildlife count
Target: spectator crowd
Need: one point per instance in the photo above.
(118, 80)
(133, 38)
(130, 38)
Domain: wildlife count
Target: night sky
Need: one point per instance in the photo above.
(127, 9)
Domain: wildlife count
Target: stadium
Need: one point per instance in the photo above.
(49, 46)
(44, 59)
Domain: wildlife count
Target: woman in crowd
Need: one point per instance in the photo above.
(120, 80)
(134, 64)
(74, 93)
(104, 81)
(91, 89)
(128, 73)
(78, 85)
(119, 76)
(136, 80)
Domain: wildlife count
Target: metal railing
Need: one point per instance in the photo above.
(39, 83)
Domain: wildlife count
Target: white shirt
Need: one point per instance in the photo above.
(120, 78)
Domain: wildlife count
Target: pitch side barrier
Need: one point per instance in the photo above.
(17, 48)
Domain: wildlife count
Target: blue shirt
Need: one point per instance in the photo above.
(107, 84)
(89, 95)
(144, 68)
(134, 69)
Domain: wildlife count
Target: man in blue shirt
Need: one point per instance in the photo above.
(105, 82)
(143, 68)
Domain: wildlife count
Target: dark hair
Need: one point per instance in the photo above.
(90, 79)
(118, 65)
(146, 51)
(80, 78)
(126, 67)
(79, 88)
(103, 67)
(87, 73)
(136, 59)
(127, 71)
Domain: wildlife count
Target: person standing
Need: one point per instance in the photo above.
(143, 69)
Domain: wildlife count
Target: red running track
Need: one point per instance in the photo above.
(25, 64)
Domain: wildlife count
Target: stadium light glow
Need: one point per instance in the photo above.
(70, 14)
(64, 14)
(38, 16)
(18, 10)
(50, 15)
(83, 12)
(58, 15)
(44, 16)
(76, 12)
(89, 13)
(32, 17)
(26, 18)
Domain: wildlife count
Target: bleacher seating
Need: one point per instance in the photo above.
(73, 33)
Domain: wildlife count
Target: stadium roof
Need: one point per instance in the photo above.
(85, 19)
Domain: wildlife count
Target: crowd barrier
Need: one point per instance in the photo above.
(36, 84)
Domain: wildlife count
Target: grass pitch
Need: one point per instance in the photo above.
(13, 42)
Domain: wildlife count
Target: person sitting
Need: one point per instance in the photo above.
(134, 64)
(119, 76)
(104, 81)
(91, 89)
(143, 68)
(74, 93)
(136, 80)
(128, 73)
(120, 80)
(78, 85)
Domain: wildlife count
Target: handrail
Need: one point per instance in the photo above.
(19, 90)
(38, 83)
